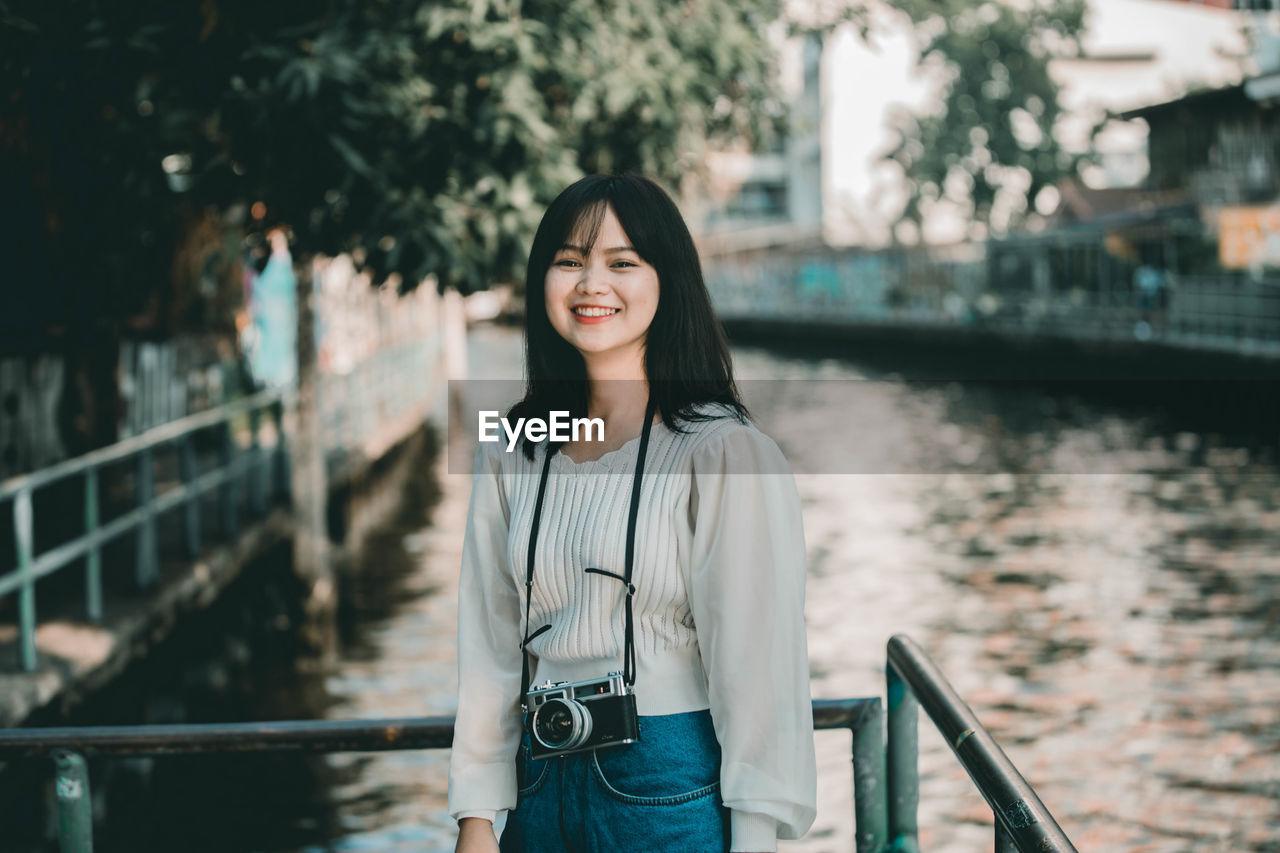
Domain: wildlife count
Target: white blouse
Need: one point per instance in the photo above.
(719, 610)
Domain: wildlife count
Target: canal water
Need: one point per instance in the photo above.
(1113, 616)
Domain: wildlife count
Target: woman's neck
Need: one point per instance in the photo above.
(620, 402)
(617, 392)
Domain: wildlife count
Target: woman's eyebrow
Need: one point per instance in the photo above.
(610, 250)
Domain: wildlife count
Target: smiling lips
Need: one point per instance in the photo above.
(593, 313)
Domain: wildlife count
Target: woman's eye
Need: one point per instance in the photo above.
(567, 262)
(623, 264)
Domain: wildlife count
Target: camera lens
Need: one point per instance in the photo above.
(555, 727)
(561, 724)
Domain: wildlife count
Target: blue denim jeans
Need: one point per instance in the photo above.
(660, 794)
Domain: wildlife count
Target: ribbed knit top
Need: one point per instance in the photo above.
(719, 609)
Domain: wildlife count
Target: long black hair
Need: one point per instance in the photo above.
(686, 357)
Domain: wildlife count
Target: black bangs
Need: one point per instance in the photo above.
(643, 210)
(582, 226)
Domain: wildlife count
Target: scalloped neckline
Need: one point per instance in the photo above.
(609, 459)
(615, 458)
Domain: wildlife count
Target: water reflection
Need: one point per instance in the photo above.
(1118, 630)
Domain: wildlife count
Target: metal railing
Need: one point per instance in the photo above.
(384, 387)
(885, 780)
(1022, 822)
(1224, 313)
(233, 467)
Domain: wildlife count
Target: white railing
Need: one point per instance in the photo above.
(248, 453)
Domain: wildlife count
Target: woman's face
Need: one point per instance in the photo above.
(602, 303)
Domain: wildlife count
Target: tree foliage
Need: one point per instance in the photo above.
(990, 147)
(424, 136)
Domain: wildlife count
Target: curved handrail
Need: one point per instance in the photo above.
(1020, 816)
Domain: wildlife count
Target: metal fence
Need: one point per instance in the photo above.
(886, 788)
(384, 388)
(1228, 313)
(378, 354)
(1222, 313)
(244, 458)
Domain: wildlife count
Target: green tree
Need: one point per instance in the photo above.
(990, 147)
(423, 136)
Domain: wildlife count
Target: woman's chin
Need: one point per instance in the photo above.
(595, 350)
(607, 350)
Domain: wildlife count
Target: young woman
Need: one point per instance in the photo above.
(663, 566)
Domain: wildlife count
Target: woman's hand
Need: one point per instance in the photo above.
(475, 835)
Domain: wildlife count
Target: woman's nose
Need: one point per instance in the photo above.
(592, 280)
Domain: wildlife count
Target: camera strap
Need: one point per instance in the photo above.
(629, 645)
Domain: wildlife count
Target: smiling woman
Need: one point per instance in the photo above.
(609, 674)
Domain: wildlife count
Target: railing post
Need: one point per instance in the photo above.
(870, 807)
(902, 771)
(395, 390)
(256, 476)
(227, 491)
(75, 809)
(335, 437)
(366, 380)
(353, 398)
(146, 564)
(353, 406)
(309, 487)
(189, 472)
(93, 560)
(280, 463)
(23, 523)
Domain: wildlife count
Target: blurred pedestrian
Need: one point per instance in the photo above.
(273, 312)
(1151, 286)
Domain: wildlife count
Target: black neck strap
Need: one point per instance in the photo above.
(629, 646)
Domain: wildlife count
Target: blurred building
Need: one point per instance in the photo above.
(1221, 150)
(774, 198)
(1138, 52)
(1186, 181)
(1208, 157)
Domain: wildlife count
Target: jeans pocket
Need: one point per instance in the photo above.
(531, 773)
(676, 760)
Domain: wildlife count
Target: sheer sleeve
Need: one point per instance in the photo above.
(482, 776)
(746, 592)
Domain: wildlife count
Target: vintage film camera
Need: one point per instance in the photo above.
(567, 717)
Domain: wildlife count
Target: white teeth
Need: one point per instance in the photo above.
(595, 312)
